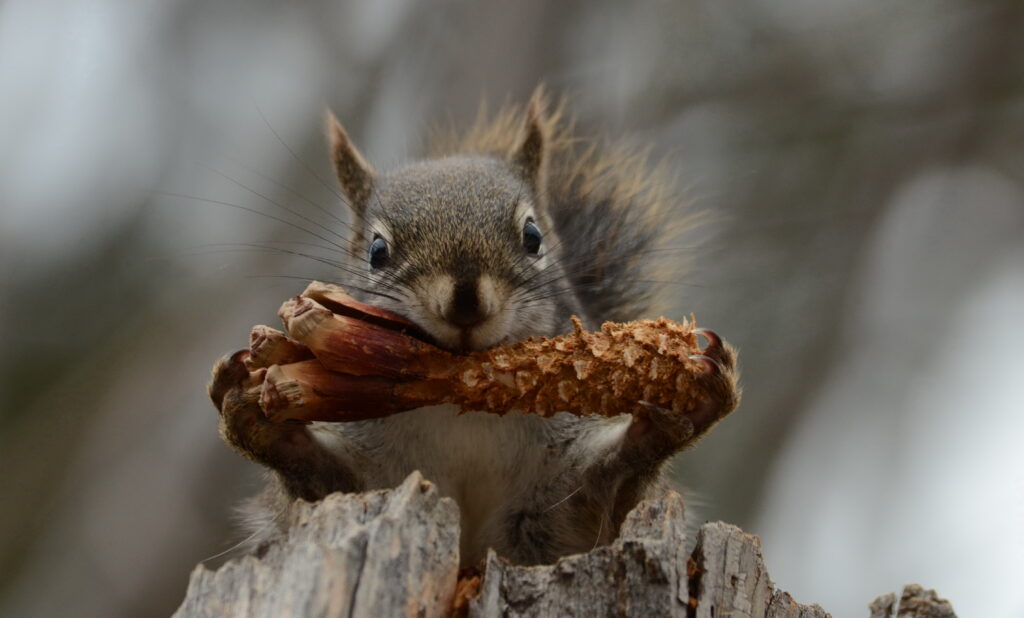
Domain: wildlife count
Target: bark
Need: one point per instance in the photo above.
(915, 602)
(384, 553)
(395, 553)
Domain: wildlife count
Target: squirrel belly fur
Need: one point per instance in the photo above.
(500, 233)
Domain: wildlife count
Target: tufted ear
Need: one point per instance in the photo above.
(531, 154)
(354, 173)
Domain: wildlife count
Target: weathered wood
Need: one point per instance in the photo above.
(915, 602)
(883, 606)
(395, 553)
(384, 553)
(730, 578)
(642, 573)
(645, 572)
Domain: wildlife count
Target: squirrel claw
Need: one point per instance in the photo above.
(719, 381)
(716, 349)
(719, 358)
(714, 341)
(229, 372)
(711, 366)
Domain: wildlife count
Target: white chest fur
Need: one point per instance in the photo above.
(484, 461)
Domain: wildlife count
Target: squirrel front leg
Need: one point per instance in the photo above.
(654, 435)
(306, 469)
(658, 433)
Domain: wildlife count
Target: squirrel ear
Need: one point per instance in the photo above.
(530, 155)
(354, 173)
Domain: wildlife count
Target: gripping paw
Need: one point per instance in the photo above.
(228, 373)
(719, 381)
(243, 424)
(306, 469)
(657, 432)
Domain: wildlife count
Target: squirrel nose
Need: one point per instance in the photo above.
(466, 310)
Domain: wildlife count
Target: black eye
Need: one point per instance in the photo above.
(379, 252)
(532, 237)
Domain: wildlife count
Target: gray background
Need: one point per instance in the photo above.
(862, 161)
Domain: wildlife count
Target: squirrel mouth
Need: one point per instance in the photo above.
(466, 341)
(454, 339)
(457, 338)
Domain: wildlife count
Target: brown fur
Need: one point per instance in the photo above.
(600, 189)
(531, 488)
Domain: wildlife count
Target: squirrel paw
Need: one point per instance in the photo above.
(244, 426)
(657, 432)
(720, 382)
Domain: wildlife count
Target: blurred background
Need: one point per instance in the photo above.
(864, 161)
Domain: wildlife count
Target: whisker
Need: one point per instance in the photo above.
(301, 161)
(252, 536)
(296, 193)
(571, 494)
(276, 203)
(346, 286)
(313, 173)
(389, 284)
(279, 242)
(249, 210)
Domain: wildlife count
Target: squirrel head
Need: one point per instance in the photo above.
(461, 245)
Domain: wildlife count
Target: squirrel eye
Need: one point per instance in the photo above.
(532, 237)
(379, 252)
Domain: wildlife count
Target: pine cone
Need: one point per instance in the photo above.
(343, 360)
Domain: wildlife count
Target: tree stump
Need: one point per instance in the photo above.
(396, 553)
